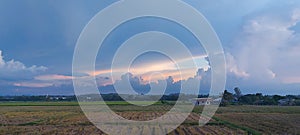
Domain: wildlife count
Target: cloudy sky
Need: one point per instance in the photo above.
(261, 40)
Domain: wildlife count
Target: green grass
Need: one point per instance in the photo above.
(30, 123)
(38, 103)
(232, 125)
(123, 103)
(259, 109)
(73, 103)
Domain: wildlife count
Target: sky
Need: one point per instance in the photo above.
(261, 41)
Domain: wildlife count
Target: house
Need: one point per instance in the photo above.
(217, 101)
(286, 101)
(56, 97)
(202, 101)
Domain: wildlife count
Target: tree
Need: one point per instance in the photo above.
(238, 92)
(278, 97)
(227, 98)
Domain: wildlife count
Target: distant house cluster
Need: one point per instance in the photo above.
(287, 102)
(57, 98)
(205, 101)
(60, 98)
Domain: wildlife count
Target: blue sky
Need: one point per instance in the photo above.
(260, 38)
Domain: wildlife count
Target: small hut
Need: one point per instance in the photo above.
(202, 101)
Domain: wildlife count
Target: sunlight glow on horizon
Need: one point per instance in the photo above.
(148, 72)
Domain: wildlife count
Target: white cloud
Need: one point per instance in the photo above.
(13, 68)
(2, 62)
(233, 68)
(267, 49)
(15, 73)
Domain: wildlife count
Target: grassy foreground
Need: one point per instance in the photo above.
(67, 118)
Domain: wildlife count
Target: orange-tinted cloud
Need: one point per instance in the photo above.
(165, 68)
(53, 77)
(291, 80)
(33, 85)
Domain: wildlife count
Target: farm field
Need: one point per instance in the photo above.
(67, 118)
(263, 119)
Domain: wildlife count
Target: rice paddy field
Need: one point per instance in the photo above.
(67, 118)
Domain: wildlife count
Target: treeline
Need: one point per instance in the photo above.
(238, 98)
(38, 98)
(95, 97)
(117, 97)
